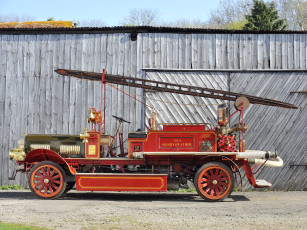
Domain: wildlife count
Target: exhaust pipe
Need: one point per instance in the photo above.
(257, 154)
(270, 163)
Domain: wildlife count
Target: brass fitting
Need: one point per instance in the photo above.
(238, 127)
(18, 153)
(84, 136)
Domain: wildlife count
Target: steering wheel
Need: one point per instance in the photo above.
(120, 119)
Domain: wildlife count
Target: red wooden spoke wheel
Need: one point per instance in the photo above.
(47, 180)
(214, 181)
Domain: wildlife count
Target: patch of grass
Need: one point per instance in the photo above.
(183, 190)
(11, 187)
(8, 226)
(187, 190)
(235, 189)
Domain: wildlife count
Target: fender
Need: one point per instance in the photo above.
(39, 155)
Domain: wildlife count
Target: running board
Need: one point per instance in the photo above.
(262, 184)
(121, 182)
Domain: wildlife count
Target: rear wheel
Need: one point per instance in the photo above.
(214, 181)
(47, 180)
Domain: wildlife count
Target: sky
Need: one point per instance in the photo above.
(110, 12)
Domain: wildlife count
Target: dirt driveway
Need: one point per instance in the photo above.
(87, 210)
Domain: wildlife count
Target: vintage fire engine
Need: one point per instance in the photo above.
(166, 156)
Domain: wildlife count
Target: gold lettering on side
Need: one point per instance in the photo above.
(176, 144)
(91, 149)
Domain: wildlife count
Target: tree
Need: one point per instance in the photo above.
(14, 18)
(185, 23)
(230, 14)
(264, 17)
(91, 23)
(236, 25)
(295, 13)
(141, 17)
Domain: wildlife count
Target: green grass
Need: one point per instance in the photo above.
(187, 190)
(11, 187)
(183, 190)
(7, 226)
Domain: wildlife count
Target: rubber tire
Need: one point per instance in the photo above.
(59, 170)
(225, 170)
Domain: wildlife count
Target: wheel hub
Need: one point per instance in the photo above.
(46, 181)
(214, 182)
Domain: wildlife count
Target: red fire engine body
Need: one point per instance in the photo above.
(166, 156)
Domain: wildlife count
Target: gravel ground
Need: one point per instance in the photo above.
(101, 210)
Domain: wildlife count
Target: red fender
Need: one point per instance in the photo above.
(38, 155)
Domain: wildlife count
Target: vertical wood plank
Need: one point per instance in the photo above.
(266, 54)
(260, 50)
(139, 107)
(278, 59)
(290, 56)
(296, 51)
(188, 52)
(175, 49)
(181, 51)
(72, 87)
(272, 51)
(194, 45)
(2, 103)
(284, 51)
(236, 51)
(303, 51)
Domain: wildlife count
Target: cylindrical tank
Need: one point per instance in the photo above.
(222, 114)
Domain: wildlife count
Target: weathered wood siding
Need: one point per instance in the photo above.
(269, 128)
(34, 99)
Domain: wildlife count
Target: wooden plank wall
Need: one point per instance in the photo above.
(269, 128)
(34, 99)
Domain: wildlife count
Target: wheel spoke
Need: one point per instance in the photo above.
(54, 186)
(55, 177)
(217, 191)
(204, 179)
(45, 192)
(38, 174)
(221, 189)
(52, 173)
(39, 183)
(216, 172)
(212, 192)
(211, 172)
(221, 175)
(48, 170)
(206, 175)
(223, 184)
(50, 189)
(43, 171)
(41, 188)
(56, 181)
(204, 185)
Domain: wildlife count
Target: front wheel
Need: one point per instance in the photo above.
(214, 181)
(47, 180)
